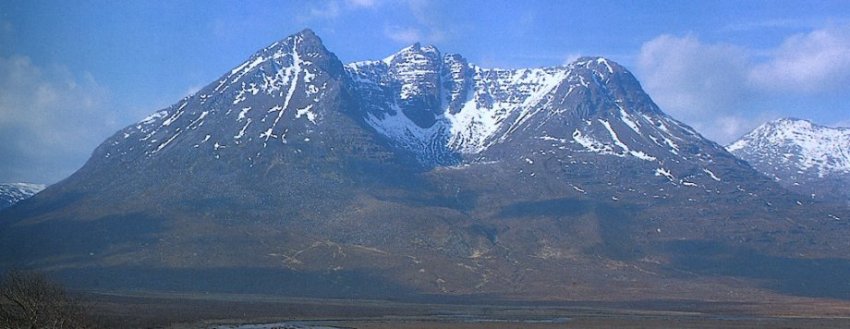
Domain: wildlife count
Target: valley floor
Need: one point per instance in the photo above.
(184, 311)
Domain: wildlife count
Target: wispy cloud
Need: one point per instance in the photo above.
(50, 120)
(571, 58)
(192, 90)
(404, 35)
(781, 23)
(362, 3)
(425, 27)
(525, 23)
(7, 31)
(329, 10)
(795, 23)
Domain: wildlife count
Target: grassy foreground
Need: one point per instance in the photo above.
(182, 311)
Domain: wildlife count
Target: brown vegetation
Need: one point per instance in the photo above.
(30, 300)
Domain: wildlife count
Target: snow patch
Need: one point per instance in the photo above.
(593, 145)
(164, 144)
(242, 113)
(711, 174)
(153, 117)
(638, 154)
(242, 131)
(664, 172)
(247, 66)
(605, 62)
(627, 119)
(306, 112)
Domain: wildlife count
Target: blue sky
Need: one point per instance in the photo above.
(74, 72)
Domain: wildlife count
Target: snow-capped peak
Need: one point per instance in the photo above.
(273, 96)
(422, 100)
(434, 105)
(801, 144)
(415, 49)
(439, 107)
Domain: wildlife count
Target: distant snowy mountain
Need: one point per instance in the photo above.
(12, 193)
(802, 156)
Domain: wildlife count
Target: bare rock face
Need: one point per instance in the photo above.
(419, 175)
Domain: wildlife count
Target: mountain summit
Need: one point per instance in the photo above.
(417, 175)
(811, 159)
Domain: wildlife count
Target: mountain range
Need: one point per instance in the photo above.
(423, 175)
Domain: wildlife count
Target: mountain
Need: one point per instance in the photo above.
(423, 175)
(810, 159)
(12, 193)
(590, 118)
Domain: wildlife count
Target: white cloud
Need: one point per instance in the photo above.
(425, 26)
(403, 35)
(725, 90)
(813, 62)
(192, 90)
(571, 58)
(331, 9)
(50, 120)
(703, 85)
